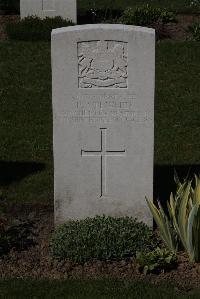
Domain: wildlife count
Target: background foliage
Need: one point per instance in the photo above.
(33, 28)
(146, 15)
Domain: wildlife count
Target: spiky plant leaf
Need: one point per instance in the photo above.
(197, 190)
(194, 234)
(182, 215)
(164, 226)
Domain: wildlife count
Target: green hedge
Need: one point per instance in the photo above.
(33, 28)
(102, 238)
(146, 15)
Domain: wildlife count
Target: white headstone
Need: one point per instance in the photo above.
(103, 120)
(49, 8)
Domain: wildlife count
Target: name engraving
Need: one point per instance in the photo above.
(107, 117)
(105, 109)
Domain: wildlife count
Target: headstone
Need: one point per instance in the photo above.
(49, 8)
(103, 120)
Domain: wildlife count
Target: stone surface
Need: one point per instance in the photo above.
(103, 115)
(49, 8)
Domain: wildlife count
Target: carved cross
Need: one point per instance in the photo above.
(103, 153)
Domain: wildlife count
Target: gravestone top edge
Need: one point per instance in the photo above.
(103, 27)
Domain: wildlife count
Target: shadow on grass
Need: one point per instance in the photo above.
(12, 171)
(164, 179)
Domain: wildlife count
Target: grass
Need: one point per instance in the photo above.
(99, 289)
(177, 114)
(26, 116)
(179, 6)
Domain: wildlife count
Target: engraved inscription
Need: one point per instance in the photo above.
(102, 64)
(106, 109)
(103, 153)
(105, 117)
(48, 5)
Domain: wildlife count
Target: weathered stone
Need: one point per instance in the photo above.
(103, 113)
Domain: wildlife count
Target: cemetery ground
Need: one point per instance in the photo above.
(26, 175)
(79, 289)
(26, 172)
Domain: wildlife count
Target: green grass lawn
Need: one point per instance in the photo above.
(26, 118)
(102, 289)
(179, 6)
(26, 114)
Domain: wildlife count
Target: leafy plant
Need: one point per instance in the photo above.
(19, 236)
(165, 226)
(33, 28)
(182, 224)
(160, 259)
(102, 238)
(195, 3)
(146, 15)
(195, 31)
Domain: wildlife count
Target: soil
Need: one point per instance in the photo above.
(37, 261)
(3, 21)
(179, 31)
(174, 31)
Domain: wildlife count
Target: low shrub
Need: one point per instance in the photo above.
(102, 238)
(156, 261)
(195, 32)
(19, 235)
(33, 28)
(146, 15)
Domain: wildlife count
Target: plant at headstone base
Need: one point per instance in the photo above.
(156, 261)
(18, 235)
(165, 226)
(146, 15)
(33, 28)
(102, 238)
(183, 216)
(195, 31)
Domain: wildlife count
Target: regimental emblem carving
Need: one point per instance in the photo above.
(102, 64)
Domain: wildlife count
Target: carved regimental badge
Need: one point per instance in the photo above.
(102, 64)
